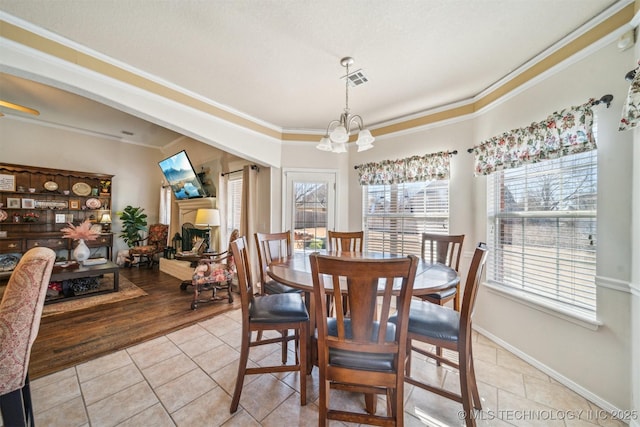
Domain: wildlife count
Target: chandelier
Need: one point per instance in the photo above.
(338, 131)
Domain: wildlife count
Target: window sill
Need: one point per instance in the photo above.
(584, 320)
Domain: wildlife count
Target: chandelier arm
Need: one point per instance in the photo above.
(333, 122)
(357, 120)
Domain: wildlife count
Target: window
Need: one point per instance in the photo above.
(396, 215)
(234, 203)
(542, 231)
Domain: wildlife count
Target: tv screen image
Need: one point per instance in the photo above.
(179, 173)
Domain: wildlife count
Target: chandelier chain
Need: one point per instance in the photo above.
(346, 82)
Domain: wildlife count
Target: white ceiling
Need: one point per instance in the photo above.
(278, 60)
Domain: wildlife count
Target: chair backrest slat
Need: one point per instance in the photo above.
(471, 287)
(243, 268)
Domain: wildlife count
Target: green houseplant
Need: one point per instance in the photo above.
(134, 221)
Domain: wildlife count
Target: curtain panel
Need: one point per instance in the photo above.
(411, 169)
(569, 131)
(631, 108)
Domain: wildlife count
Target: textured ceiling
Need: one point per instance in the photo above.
(278, 61)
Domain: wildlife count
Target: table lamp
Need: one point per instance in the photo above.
(105, 220)
(209, 218)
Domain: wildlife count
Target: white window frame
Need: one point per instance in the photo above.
(540, 271)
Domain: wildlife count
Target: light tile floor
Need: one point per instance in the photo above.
(186, 378)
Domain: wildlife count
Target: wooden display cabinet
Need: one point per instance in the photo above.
(38, 202)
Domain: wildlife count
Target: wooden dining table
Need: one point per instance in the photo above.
(295, 271)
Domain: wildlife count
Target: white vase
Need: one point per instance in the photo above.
(81, 252)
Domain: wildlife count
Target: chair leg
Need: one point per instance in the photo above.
(302, 360)
(13, 409)
(474, 385)
(285, 334)
(371, 403)
(242, 369)
(465, 389)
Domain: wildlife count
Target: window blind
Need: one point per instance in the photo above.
(234, 203)
(542, 226)
(396, 215)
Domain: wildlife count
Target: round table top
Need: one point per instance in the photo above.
(295, 271)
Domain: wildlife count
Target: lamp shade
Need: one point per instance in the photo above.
(208, 217)
(105, 219)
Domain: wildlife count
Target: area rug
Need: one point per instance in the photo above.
(126, 290)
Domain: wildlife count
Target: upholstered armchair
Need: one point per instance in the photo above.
(155, 242)
(20, 313)
(213, 273)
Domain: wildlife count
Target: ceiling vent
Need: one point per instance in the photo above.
(356, 78)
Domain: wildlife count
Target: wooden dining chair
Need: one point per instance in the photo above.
(272, 246)
(20, 314)
(348, 241)
(449, 329)
(268, 313)
(447, 250)
(364, 352)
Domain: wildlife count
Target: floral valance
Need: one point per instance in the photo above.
(631, 107)
(562, 133)
(411, 169)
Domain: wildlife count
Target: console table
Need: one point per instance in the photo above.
(60, 274)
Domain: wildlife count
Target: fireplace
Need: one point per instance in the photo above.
(187, 214)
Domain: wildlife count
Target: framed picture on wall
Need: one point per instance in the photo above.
(74, 204)
(13, 202)
(28, 203)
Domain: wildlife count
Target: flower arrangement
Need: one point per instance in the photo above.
(30, 217)
(82, 231)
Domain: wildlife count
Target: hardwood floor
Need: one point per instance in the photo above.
(67, 339)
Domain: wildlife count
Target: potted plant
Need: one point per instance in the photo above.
(134, 221)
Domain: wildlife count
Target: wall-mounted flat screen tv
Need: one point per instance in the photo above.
(179, 173)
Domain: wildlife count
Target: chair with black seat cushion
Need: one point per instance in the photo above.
(20, 313)
(445, 328)
(347, 241)
(365, 352)
(444, 249)
(272, 246)
(268, 313)
(155, 243)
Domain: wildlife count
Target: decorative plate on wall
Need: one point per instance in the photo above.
(93, 203)
(50, 186)
(81, 189)
(3, 215)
